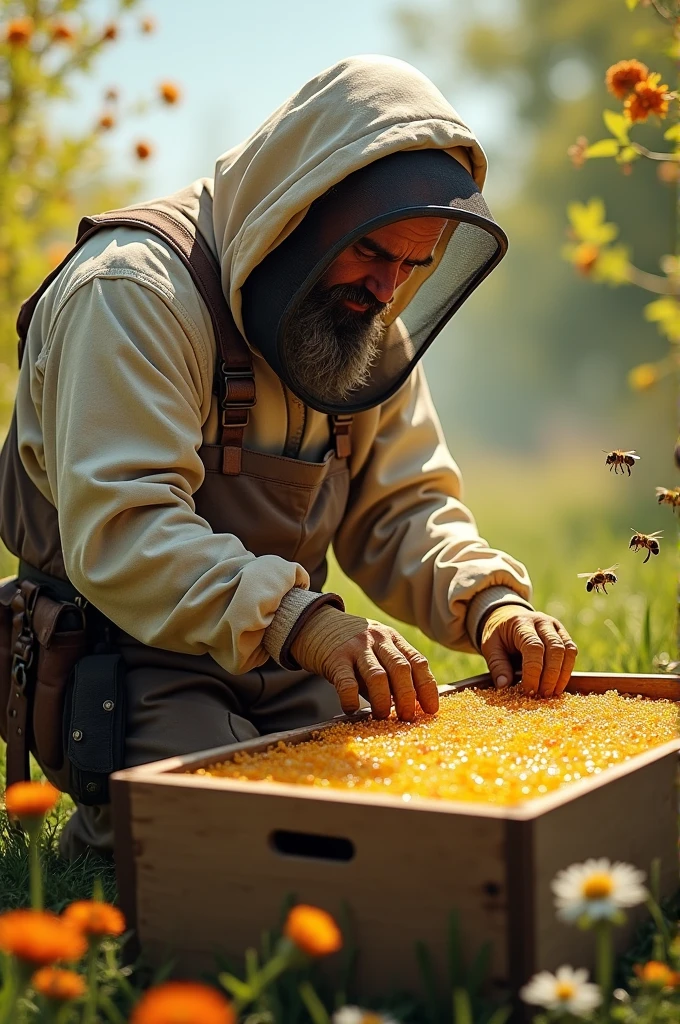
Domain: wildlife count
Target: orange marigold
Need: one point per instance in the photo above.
(61, 32)
(655, 974)
(30, 799)
(57, 984)
(170, 92)
(94, 918)
(312, 930)
(183, 1002)
(143, 150)
(648, 97)
(622, 78)
(18, 31)
(40, 937)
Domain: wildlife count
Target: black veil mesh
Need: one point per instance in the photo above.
(404, 185)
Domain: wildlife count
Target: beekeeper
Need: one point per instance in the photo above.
(187, 487)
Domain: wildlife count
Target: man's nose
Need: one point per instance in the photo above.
(382, 282)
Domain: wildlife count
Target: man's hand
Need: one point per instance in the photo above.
(548, 653)
(361, 656)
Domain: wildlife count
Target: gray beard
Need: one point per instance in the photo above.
(328, 349)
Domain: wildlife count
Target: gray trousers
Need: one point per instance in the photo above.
(179, 704)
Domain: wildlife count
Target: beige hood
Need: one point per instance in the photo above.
(359, 110)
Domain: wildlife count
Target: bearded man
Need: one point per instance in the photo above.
(187, 445)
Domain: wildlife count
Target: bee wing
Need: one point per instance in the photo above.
(654, 536)
(661, 490)
(582, 575)
(632, 454)
(611, 567)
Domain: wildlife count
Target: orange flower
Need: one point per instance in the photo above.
(147, 25)
(40, 937)
(622, 78)
(143, 150)
(668, 172)
(30, 799)
(106, 121)
(655, 974)
(643, 377)
(183, 1002)
(169, 92)
(312, 930)
(111, 95)
(585, 257)
(648, 97)
(18, 31)
(110, 31)
(576, 151)
(57, 984)
(61, 32)
(94, 918)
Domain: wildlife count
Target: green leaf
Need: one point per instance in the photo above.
(613, 265)
(455, 951)
(236, 988)
(314, 1006)
(672, 133)
(627, 155)
(588, 222)
(462, 1010)
(632, 4)
(430, 985)
(605, 147)
(617, 124)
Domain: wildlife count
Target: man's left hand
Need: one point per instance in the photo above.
(547, 651)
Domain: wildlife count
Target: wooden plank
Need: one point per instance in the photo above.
(655, 685)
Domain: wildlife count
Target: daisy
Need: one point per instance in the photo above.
(597, 890)
(567, 990)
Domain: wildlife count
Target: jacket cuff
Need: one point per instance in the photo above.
(295, 608)
(483, 604)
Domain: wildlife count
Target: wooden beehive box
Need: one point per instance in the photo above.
(206, 863)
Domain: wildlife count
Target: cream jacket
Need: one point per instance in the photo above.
(115, 398)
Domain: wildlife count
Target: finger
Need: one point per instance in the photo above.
(570, 655)
(423, 680)
(345, 682)
(498, 660)
(376, 682)
(530, 646)
(552, 658)
(400, 679)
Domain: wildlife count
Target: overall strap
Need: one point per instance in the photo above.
(234, 377)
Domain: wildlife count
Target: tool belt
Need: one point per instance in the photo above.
(61, 686)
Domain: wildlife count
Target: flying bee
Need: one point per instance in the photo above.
(618, 458)
(599, 579)
(646, 540)
(666, 497)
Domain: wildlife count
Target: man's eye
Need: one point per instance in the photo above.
(363, 253)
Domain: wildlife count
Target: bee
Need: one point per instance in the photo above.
(666, 497)
(599, 579)
(646, 540)
(618, 458)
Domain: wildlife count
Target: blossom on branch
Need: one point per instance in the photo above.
(648, 97)
(19, 31)
(621, 78)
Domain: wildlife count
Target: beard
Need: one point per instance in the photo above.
(329, 349)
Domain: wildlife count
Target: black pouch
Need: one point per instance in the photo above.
(95, 724)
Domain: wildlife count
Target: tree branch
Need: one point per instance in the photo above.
(653, 282)
(651, 155)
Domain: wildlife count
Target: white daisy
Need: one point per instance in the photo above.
(597, 890)
(566, 990)
(355, 1015)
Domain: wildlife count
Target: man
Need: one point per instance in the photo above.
(348, 229)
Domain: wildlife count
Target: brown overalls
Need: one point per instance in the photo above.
(178, 703)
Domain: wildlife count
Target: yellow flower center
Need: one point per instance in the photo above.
(564, 990)
(598, 887)
(371, 1018)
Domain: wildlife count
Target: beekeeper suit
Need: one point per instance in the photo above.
(204, 543)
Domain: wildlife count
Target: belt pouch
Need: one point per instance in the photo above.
(95, 741)
(8, 589)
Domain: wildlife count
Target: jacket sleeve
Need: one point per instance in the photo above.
(408, 540)
(126, 387)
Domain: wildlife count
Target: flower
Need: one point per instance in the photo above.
(40, 937)
(183, 1002)
(61, 32)
(668, 172)
(312, 930)
(355, 1015)
(30, 799)
(111, 95)
(576, 151)
(169, 92)
(106, 121)
(110, 32)
(94, 918)
(567, 990)
(585, 257)
(597, 890)
(622, 78)
(648, 97)
(57, 984)
(655, 974)
(147, 25)
(143, 150)
(643, 377)
(18, 31)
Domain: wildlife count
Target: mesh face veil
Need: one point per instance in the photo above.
(398, 187)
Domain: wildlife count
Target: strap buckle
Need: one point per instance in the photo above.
(239, 388)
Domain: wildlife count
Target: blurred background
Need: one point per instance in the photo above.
(530, 378)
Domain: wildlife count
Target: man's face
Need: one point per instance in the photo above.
(336, 337)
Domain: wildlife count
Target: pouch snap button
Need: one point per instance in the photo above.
(77, 735)
(108, 705)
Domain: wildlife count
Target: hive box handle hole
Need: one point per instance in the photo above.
(308, 844)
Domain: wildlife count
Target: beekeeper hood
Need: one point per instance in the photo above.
(366, 143)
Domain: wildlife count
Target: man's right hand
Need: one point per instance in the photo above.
(361, 656)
